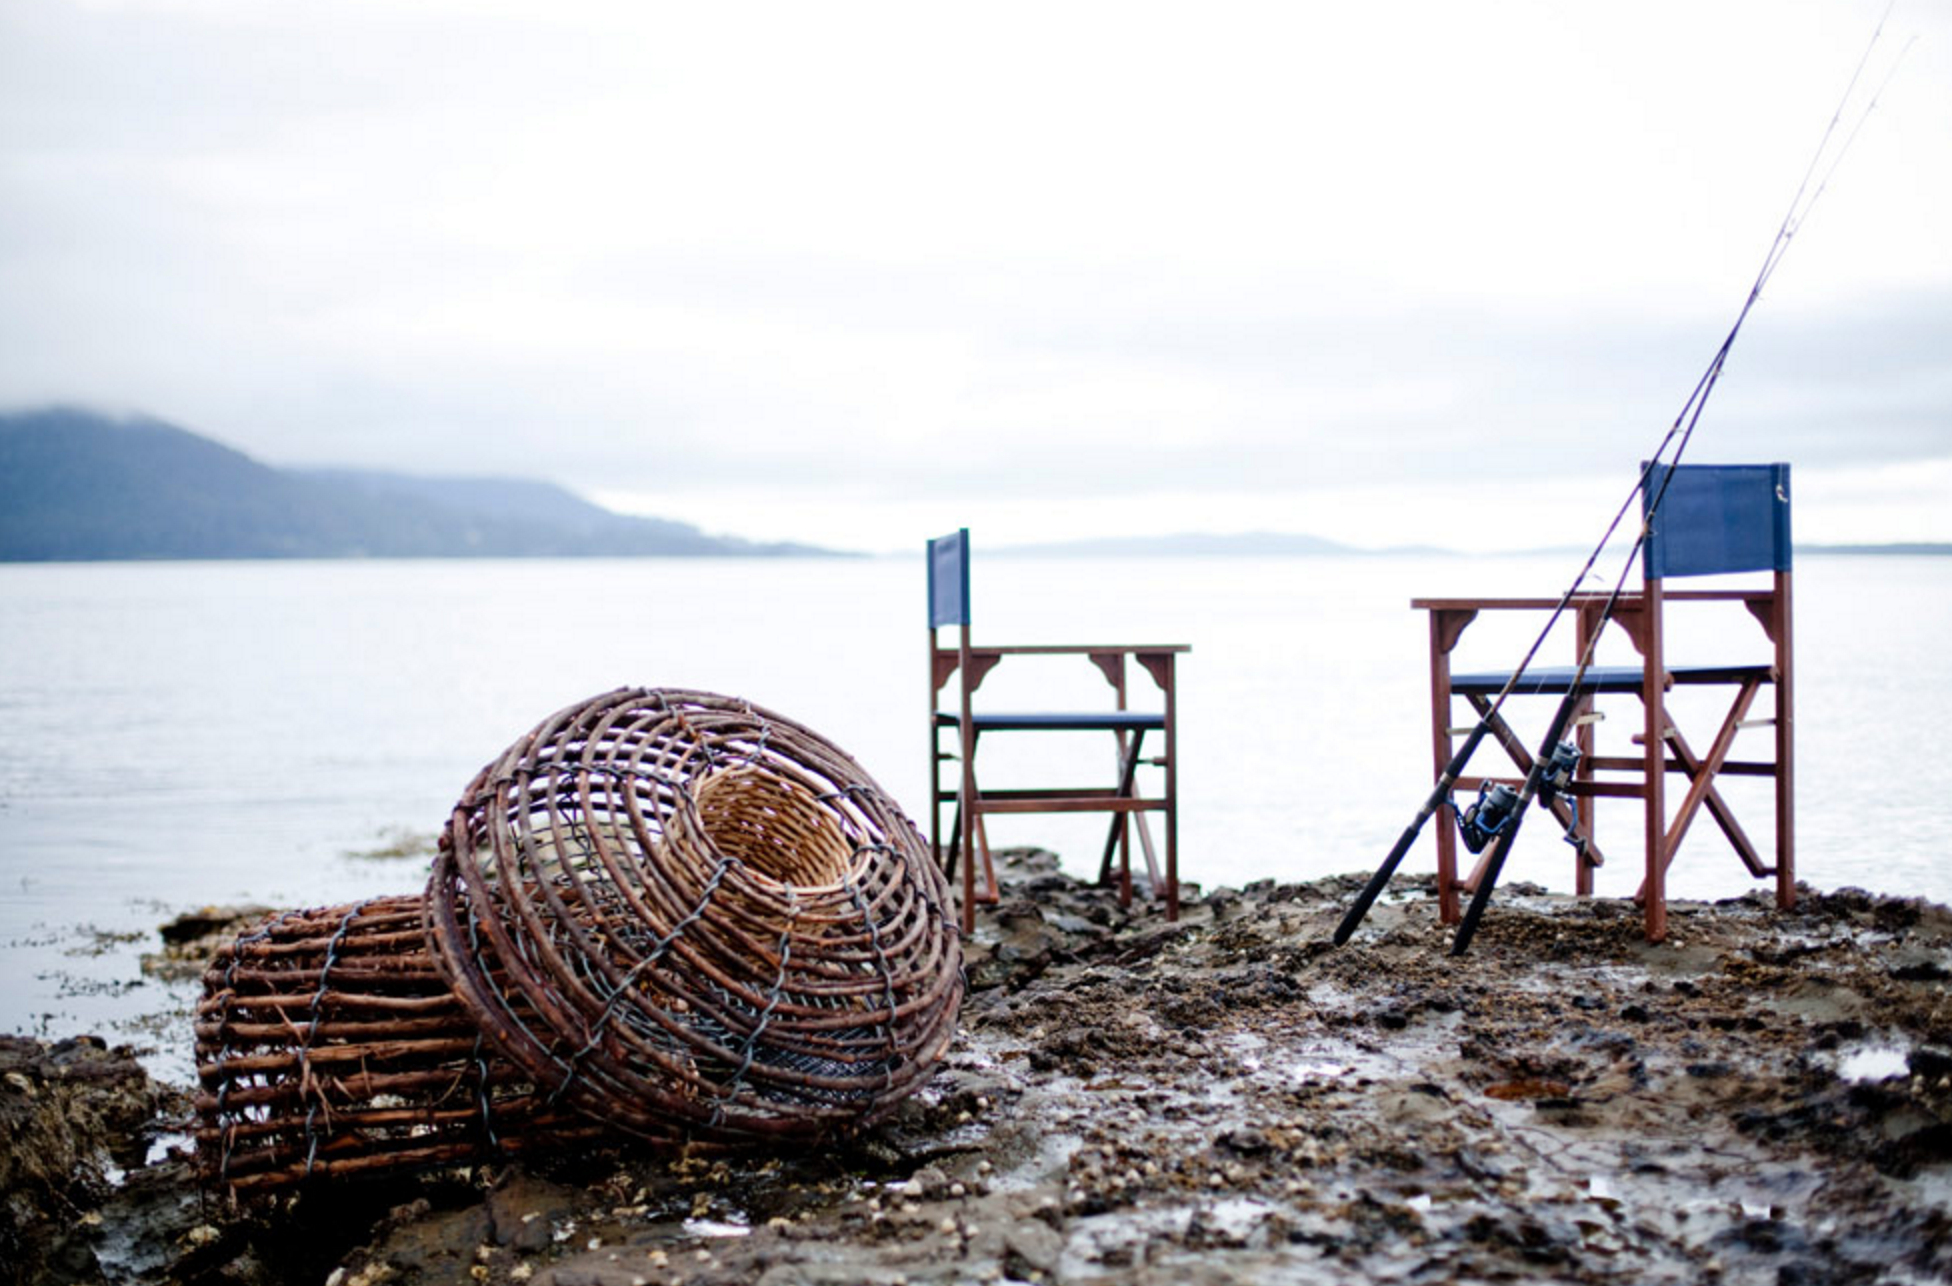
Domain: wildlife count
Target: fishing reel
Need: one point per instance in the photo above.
(1497, 803)
(1556, 772)
(1487, 818)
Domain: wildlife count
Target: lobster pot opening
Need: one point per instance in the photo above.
(328, 1043)
(696, 919)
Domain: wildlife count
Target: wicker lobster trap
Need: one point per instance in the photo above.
(664, 912)
(328, 1043)
(696, 919)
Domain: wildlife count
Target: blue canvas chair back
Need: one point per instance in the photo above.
(949, 580)
(1716, 518)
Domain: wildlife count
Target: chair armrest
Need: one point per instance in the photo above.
(1155, 658)
(1515, 604)
(1450, 617)
(1071, 649)
(1593, 599)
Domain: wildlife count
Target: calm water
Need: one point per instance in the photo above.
(184, 734)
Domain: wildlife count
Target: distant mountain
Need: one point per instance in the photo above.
(551, 519)
(1927, 548)
(1198, 544)
(75, 485)
(1276, 545)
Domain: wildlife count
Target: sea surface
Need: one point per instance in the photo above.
(185, 734)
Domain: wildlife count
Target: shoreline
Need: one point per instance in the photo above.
(1766, 1097)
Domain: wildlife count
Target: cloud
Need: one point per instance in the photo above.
(1116, 259)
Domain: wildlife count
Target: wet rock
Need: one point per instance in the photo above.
(433, 1249)
(1231, 1099)
(1930, 1144)
(219, 922)
(190, 939)
(73, 1113)
(1029, 1246)
(523, 1211)
(1930, 1061)
(1246, 1141)
(591, 1270)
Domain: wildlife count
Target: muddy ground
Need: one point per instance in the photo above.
(1763, 1098)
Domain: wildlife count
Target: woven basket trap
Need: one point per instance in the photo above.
(695, 919)
(328, 1043)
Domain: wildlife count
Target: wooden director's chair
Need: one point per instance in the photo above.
(1710, 520)
(948, 560)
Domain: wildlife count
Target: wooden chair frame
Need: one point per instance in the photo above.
(971, 664)
(1663, 749)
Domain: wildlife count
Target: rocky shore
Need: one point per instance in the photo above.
(1763, 1098)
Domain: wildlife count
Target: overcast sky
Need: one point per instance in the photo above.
(859, 274)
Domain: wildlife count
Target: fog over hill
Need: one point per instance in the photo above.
(1257, 544)
(76, 485)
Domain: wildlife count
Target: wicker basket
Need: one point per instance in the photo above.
(328, 1043)
(696, 920)
(664, 912)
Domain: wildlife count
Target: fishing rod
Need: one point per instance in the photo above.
(1683, 427)
(1537, 778)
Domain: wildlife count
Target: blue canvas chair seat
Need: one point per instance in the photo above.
(1709, 520)
(1080, 721)
(1121, 795)
(1553, 680)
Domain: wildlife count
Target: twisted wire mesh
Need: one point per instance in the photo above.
(328, 1043)
(695, 919)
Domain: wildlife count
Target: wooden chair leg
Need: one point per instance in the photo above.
(991, 893)
(1117, 835)
(1154, 883)
(968, 887)
(1449, 910)
(1785, 745)
(1172, 856)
